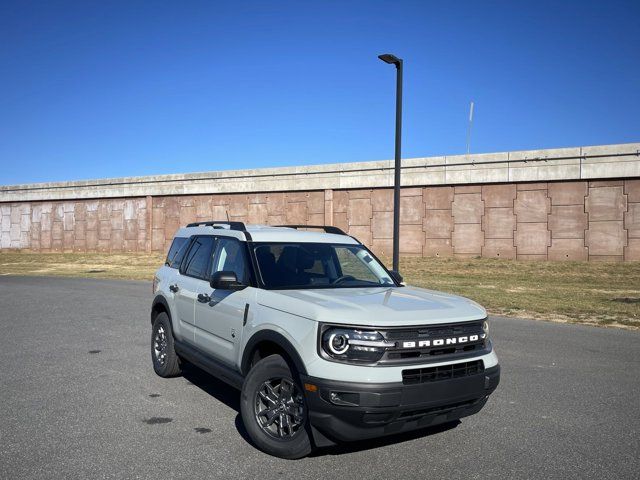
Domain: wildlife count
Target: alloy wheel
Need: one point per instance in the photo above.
(160, 345)
(279, 408)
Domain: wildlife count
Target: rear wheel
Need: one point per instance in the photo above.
(273, 409)
(166, 362)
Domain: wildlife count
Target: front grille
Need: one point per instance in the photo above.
(403, 354)
(443, 372)
(435, 331)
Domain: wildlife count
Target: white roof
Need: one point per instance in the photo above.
(266, 233)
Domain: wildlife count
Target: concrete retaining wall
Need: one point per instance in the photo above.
(475, 213)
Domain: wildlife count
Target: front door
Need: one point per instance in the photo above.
(220, 321)
(189, 282)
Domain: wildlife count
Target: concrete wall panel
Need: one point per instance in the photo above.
(382, 247)
(340, 201)
(499, 248)
(467, 238)
(412, 208)
(382, 200)
(339, 220)
(296, 213)
(606, 202)
(438, 198)
(438, 224)
(438, 247)
(532, 206)
(360, 211)
(632, 250)
(467, 207)
(632, 220)
(568, 193)
(275, 204)
(258, 213)
(632, 190)
(568, 221)
(532, 239)
(411, 239)
(382, 225)
(568, 249)
(606, 238)
(315, 202)
(499, 195)
(499, 223)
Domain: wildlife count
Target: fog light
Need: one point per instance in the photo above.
(346, 399)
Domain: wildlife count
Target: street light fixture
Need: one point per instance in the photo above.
(392, 59)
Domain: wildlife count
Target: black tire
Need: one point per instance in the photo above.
(293, 444)
(166, 362)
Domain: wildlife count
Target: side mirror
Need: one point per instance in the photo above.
(225, 280)
(396, 276)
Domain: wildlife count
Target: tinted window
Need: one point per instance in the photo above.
(177, 251)
(231, 257)
(197, 261)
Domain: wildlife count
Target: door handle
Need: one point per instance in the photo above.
(174, 288)
(204, 298)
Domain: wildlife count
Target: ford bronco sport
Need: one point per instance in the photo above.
(325, 344)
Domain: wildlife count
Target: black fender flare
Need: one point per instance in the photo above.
(276, 338)
(159, 299)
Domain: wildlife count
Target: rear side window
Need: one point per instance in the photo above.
(176, 252)
(198, 258)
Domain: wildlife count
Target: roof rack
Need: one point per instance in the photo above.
(218, 223)
(326, 228)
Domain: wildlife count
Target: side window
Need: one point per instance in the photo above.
(231, 256)
(197, 261)
(176, 252)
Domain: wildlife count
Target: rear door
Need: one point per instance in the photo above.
(220, 321)
(190, 280)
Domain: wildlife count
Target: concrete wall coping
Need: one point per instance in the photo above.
(575, 163)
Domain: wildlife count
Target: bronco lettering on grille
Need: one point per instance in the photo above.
(442, 341)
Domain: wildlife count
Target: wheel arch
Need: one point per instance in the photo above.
(267, 342)
(158, 306)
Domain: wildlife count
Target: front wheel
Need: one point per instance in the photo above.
(273, 409)
(165, 359)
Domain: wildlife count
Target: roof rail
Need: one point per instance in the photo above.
(213, 223)
(326, 228)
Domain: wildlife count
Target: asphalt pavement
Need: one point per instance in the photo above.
(80, 400)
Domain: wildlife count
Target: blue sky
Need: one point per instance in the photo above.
(103, 89)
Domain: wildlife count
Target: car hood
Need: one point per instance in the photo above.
(379, 306)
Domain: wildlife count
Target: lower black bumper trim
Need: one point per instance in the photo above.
(385, 409)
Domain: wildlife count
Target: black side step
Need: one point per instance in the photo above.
(209, 365)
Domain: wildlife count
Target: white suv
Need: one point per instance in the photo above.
(326, 344)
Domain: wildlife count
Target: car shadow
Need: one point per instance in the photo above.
(231, 398)
(213, 386)
(373, 443)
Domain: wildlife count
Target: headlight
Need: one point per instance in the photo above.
(338, 343)
(352, 345)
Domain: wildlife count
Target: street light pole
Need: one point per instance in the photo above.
(392, 59)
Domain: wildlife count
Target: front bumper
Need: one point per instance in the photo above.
(389, 408)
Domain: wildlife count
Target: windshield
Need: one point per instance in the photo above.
(318, 265)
